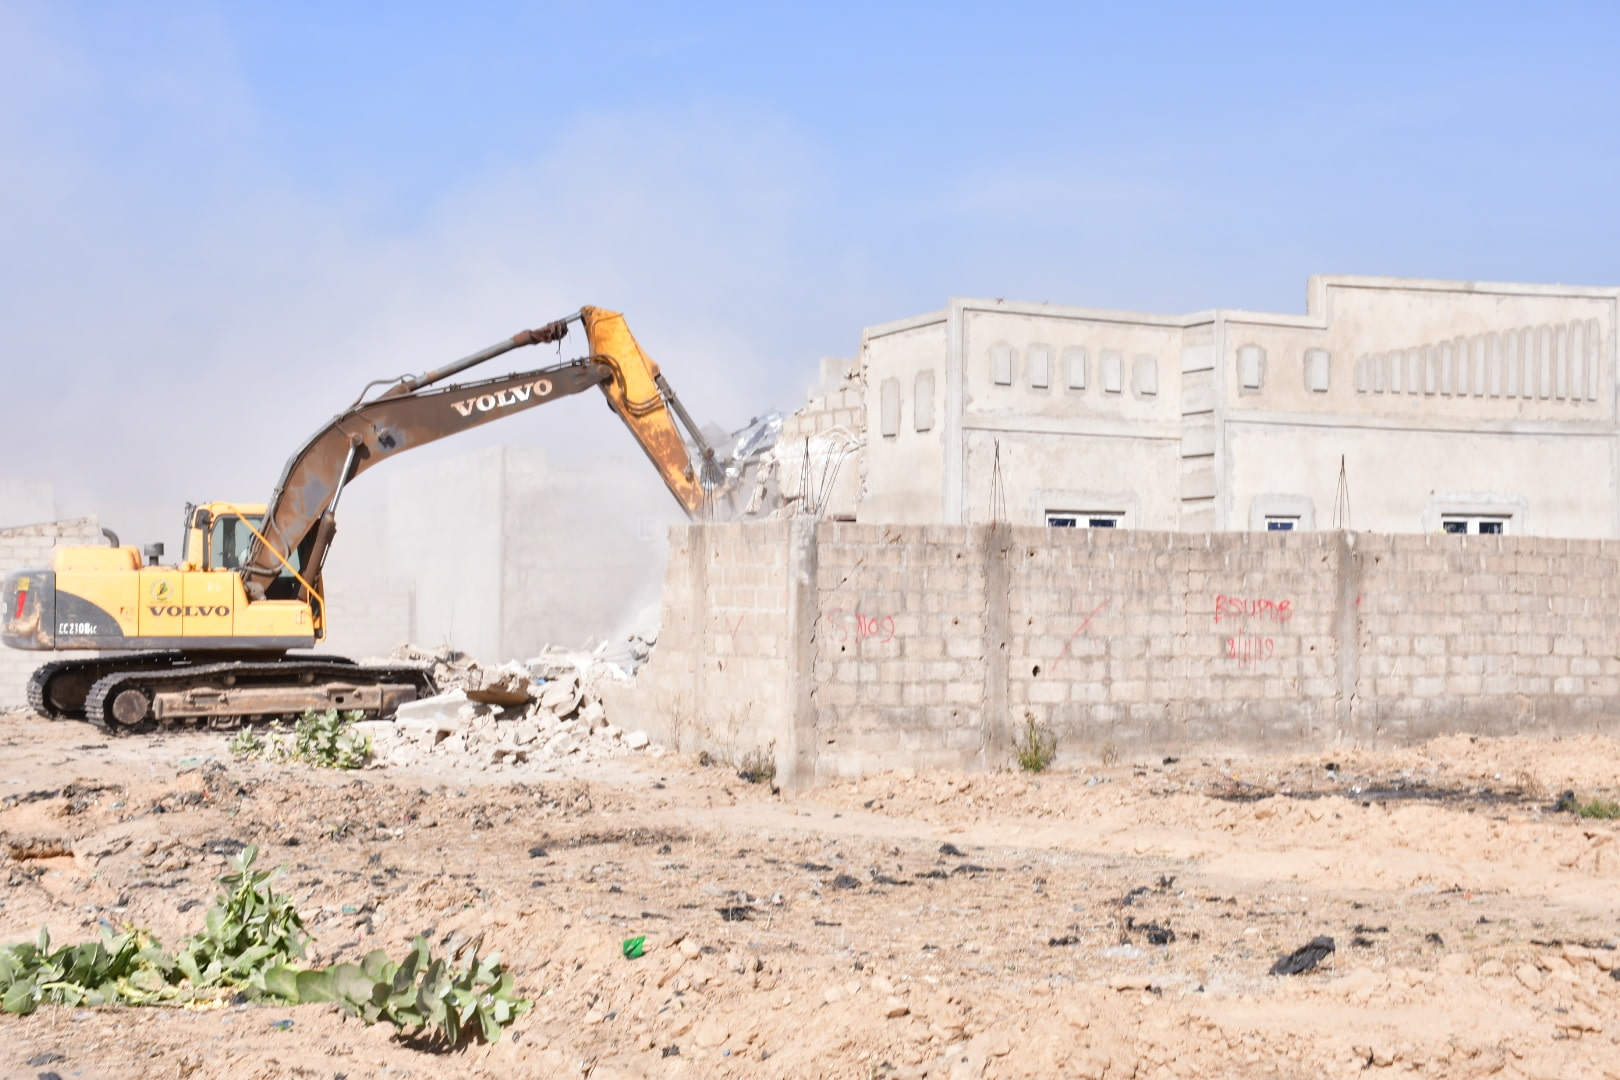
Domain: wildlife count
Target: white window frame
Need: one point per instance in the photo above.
(1476, 524)
(1263, 509)
(1512, 510)
(1085, 519)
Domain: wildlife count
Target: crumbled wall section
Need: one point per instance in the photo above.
(719, 680)
(854, 648)
(27, 547)
(818, 454)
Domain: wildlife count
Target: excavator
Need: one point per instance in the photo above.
(210, 640)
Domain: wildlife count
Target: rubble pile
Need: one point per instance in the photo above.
(549, 707)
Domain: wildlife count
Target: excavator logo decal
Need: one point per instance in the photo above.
(161, 590)
(501, 399)
(190, 610)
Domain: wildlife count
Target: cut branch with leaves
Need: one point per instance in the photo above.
(251, 942)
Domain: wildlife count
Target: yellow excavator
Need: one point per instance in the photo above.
(209, 640)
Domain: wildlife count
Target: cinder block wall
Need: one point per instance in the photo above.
(851, 648)
(900, 647)
(719, 679)
(29, 547)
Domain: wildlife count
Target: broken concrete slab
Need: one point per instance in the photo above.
(560, 695)
(438, 707)
(507, 685)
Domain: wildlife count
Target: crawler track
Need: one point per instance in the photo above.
(58, 689)
(291, 683)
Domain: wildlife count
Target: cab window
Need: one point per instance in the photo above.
(232, 540)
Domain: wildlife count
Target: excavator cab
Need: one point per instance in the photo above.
(232, 536)
(219, 537)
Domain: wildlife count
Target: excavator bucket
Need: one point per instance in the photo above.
(636, 393)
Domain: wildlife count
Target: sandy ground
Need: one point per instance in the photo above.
(1098, 921)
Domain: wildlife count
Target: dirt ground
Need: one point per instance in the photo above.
(1102, 921)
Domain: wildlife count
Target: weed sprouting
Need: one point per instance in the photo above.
(326, 740)
(1036, 746)
(1604, 809)
(757, 767)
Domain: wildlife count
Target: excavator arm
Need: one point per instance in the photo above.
(300, 520)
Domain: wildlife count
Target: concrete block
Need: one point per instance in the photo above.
(1426, 686)
(1044, 691)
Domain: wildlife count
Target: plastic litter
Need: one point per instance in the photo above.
(1305, 958)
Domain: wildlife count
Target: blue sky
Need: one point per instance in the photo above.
(219, 220)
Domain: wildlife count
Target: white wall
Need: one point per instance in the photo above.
(1517, 410)
(904, 471)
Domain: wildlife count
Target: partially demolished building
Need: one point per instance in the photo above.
(1452, 406)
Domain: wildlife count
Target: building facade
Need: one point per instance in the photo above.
(1392, 405)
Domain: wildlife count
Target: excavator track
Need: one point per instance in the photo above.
(223, 695)
(58, 689)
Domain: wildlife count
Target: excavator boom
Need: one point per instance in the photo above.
(415, 411)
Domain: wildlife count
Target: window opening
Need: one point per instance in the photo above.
(1084, 519)
(1473, 525)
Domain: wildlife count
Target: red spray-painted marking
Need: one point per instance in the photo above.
(1249, 651)
(1238, 607)
(1082, 627)
(865, 626)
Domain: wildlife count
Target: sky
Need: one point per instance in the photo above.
(219, 220)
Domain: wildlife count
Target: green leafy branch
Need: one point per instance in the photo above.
(251, 941)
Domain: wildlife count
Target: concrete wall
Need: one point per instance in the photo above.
(851, 648)
(499, 553)
(30, 547)
(368, 613)
(726, 660)
(584, 546)
(444, 544)
(905, 479)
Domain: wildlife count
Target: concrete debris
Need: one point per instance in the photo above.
(509, 684)
(450, 667)
(547, 708)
